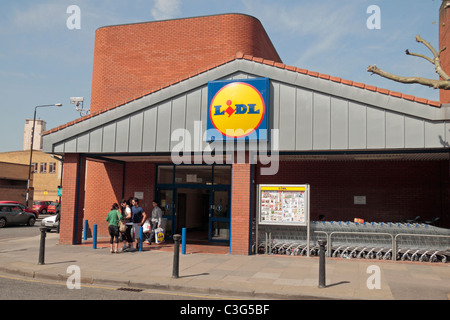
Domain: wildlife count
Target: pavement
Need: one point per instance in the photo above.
(248, 277)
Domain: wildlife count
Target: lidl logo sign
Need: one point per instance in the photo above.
(238, 109)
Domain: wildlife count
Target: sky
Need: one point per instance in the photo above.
(46, 47)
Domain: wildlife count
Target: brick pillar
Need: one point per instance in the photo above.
(241, 209)
(72, 200)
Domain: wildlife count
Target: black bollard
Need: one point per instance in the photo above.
(322, 244)
(42, 245)
(176, 255)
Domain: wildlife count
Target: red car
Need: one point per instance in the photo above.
(40, 206)
(52, 207)
(24, 207)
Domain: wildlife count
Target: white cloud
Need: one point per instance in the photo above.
(166, 9)
(317, 29)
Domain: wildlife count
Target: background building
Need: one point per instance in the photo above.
(46, 171)
(39, 129)
(13, 182)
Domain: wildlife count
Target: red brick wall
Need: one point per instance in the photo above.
(241, 211)
(74, 168)
(140, 177)
(394, 190)
(444, 41)
(103, 188)
(107, 183)
(132, 60)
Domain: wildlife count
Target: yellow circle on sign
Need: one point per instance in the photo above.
(237, 110)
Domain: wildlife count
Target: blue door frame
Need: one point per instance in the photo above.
(214, 220)
(170, 185)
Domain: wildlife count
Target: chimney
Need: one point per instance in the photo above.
(444, 41)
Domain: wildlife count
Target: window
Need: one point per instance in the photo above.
(165, 174)
(43, 168)
(52, 167)
(222, 175)
(34, 167)
(193, 174)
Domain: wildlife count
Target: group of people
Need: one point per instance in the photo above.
(134, 217)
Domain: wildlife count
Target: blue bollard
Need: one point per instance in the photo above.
(183, 241)
(141, 235)
(94, 237)
(85, 229)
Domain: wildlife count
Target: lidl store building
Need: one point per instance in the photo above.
(199, 119)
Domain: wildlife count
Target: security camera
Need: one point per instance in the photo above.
(76, 100)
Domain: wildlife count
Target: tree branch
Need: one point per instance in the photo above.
(437, 84)
(436, 61)
(436, 55)
(419, 55)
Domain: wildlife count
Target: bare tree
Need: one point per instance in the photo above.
(442, 83)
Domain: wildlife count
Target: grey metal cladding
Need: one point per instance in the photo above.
(109, 138)
(163, 126)
(136, 132)
(303, 119)
(339, 124)
(122, 135)
(149, 131)
(357, 126)
(321, 122)
(287, 110)
(310, 113)
(95, 140)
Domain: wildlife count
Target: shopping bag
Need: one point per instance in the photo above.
(159, 235)
(146, 228)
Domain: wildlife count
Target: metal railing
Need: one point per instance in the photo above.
(388, 241)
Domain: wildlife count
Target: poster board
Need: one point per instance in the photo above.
(283, 205)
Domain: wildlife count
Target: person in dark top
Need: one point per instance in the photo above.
(138, 216)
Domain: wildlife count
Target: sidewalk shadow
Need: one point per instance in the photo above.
(336, 284)
(17, 250)
(195, 275)
(60, 262)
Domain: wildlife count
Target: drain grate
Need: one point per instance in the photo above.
(130, 289)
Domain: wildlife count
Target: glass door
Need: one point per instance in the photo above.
(219, 216)
(167, 204)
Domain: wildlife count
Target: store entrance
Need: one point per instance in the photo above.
(195, 198)
(203, 212)
(193, 213)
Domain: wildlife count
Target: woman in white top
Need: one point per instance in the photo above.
(126, 212)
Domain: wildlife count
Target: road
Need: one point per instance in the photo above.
(21, 288)
(21, 231)
(14, 287)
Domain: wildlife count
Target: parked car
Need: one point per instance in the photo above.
(24, 207)
(52, 207)
(11, 213)
(51, 222)
(41, 206)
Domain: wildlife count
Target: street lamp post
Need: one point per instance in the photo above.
(31, 149)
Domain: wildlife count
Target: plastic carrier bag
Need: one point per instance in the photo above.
(159, 235)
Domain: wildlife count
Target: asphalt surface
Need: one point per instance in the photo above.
(255, 276)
